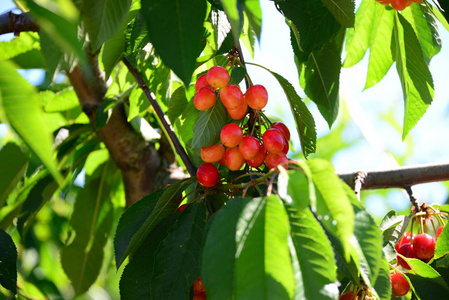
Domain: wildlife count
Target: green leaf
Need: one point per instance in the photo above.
(91, 220)
(383, 283)
(14, 163)
(103, 18)
(54, 57)
(426, 289)
(8, 262)
(416, 80)
(61, 101)
(177, 104)
(24, 51)
(322, 78)
(138, 103)
(177, 261)
(334, 209)
(426, 29)
(136, 37)
(234, 12)
(176, 38)
(20, 104)
(186, 121)
(293, 188)
(254, 13)
(237, 75)
(342, 10)
(206, 131)
(166, 205)
(305, 124)
(131, 221)
(439, 15)
(316, 278)
(442, 246)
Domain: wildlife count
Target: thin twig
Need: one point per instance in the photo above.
(413, 200)
(162, 117)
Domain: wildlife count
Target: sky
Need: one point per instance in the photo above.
(381, 142)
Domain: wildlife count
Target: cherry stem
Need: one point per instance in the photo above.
(412, 198)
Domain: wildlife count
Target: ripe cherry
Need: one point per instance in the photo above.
(348, 296)
(217, 77)
(201, 82)
(399, 284)
(199, 297)
(274, 160)
(259, 159)
(207, 175)
(204, 99)
(231, 96)
(407, 251)
(439, 231)
(399, 4)
(273, 141)
(282, 128)
(384, 2)
(286, 147)
(198, 286)
(231, 135)
(182, 207)
(424, 245)
(212, 153)
(256, 96)
(239, 112)
(233, 159)
(406, 238)
(249, 147)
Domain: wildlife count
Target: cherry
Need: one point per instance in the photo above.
(207, 175)
(282, 128)
(204, 99)
(348, 296)
(399, 284)
(424, 245)
(239, 112)
(399, 4)
(199, 297)
(231, 96)
(259, 159)
(231, 135)
(182, 207)
(256, 96)
(217, 77)
(274, 160)
(273, 141)
(233, 159)
(201, 82)
(286, 147)
(212, 153)
(198, 286)
(406, 238)
(439, 231)
(384, 2)
(406, 250)
(249, 147)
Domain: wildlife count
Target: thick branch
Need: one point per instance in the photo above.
(16, 23)
(162, 117)
(401, 177)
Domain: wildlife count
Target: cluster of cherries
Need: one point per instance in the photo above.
(399, 4)
(420, 246)
(237, 147)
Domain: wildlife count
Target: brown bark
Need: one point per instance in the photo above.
(16, 23)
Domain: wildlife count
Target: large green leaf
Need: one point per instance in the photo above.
(383, 283)
(305, 124)
(14, 163)
(8, 262)
(60, 101)
(294, 189)
(322, 78)
(24, 51)
(20, 105)
(254, 12)
(103, 18)
(442, 246)
(92, 221)
(234, 12)
(342, 10)
(176, 29)
(316, 277)
(416, 80)
(208, 124)
(334, 209)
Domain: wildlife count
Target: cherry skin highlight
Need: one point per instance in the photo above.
(273, 141)
(424, 245)
(231, 96)
(231, 135)
(207, 175)
(256, 96)
(217, 77)
(204, 99)
(212, 153)
(399, 284)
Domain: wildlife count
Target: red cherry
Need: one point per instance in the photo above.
(182, 207)
(282, 128)
(256, 96)
(439, 231)
(274, 160)
(199, 297)
(231, 135)
(384, 2)
(233, 158)
(201, 82)
(417, 1)
(239, 112)
(399, 284)
(249, 147)
(259, 159)
(207, 175)
(399, 4)
(348, 296)
(286, 147)
(424, 245)
(198, 286)
(407, 251)
(406, 238)
(231, 96)
(273, 141)
(212, 153)
(217, 77)
(204, 99)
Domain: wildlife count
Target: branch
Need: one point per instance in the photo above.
(401, 177)
(168, 129)
(16, 23)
